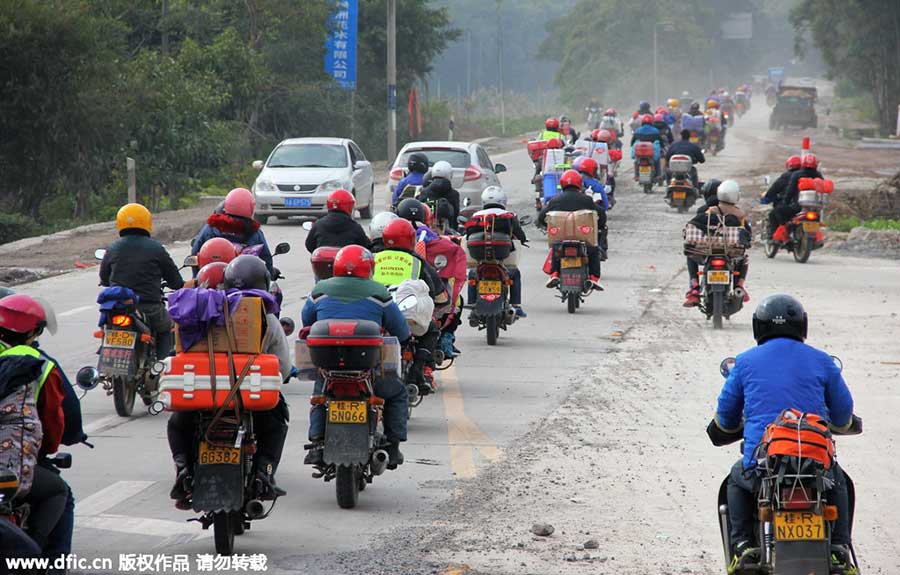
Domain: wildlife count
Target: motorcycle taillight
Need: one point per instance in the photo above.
(570, 252)
(121, 320)
(347, 387)
(795, 497)
(489, 272)
(811, 216)
(717, 263)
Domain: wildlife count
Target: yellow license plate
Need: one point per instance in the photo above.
(119, 338)
(718, 277)
(811, 227)
(799, 526)
(679, 195)
(348, 412)
(644, 169)
(695, 139)
(569, 263)
(215, 455)
(489, 287)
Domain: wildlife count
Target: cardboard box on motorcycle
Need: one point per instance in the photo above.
(249, 323)
(580, 226)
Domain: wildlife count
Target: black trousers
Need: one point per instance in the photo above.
(47, 498)
(160, 323)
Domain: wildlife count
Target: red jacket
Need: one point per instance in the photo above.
(50, 409)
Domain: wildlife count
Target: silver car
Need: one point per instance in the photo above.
(473, 170)
(301, 173)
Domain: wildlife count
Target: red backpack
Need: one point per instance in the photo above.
(801, 435)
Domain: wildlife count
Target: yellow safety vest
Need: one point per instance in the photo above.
(550, 135)
(29, 351)
(393, 266)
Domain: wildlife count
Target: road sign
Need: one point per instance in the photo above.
(738, 26)
(340, 44)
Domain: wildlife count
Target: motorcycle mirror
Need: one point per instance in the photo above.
(467, 202)
(99, 254)
(307, 225)
(288, 325)
(837, 361)
(282, 248)
(462, 220)
(191, 262)
(61, 460)
(526, 220)
(409, 302)
(87, 378)
(726, 366)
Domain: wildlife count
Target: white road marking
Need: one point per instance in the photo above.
(143, 526)
(109, 497)
(76, 310)
(106, 421)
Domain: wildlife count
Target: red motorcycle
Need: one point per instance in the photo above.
(803, 233)
(645, 165)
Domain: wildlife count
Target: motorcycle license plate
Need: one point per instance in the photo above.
(679, 195)
(118, 338)
(811, 227)
(489, 287)
(570, 263)
(644, 169)
(799, 526)
(695, 139)
(718, 277)
(348, 412)
(215, 455)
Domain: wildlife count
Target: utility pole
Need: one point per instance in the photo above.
(468, 64)
(500, 68)
(655, 67)
(165, 28)
(392, 77)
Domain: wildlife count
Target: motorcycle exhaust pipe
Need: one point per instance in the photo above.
(379, 461)
(739, 293)
(255, 509)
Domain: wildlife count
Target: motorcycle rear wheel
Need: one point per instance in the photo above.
(346, 485)
(802, 249)
(648, 188)
(223, 533)
(493, 329)
(571, 302)
(123, 396)
(718, 303)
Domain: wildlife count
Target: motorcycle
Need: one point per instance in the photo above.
(803, 233)
(593, 118)
(537, 151)
(417, 307)
(574, 282)
(719, 253)
(680, 191)
(793, 516)
(274, 288)
(645, 165)
(714, 135)
(346, 353)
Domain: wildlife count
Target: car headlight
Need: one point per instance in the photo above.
(331, 185)
(266, 186)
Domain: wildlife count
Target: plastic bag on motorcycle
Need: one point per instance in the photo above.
(415, 303)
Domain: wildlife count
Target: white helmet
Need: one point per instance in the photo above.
(729, 192)
(379, 222)
(442, 169)
(493, 195)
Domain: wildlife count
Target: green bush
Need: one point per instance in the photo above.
(15, 227)
(882, 224)
(845, 224)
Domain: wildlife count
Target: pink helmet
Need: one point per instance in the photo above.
(240, 202)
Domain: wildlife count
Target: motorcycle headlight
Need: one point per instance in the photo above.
(331, 186)
(266, 186)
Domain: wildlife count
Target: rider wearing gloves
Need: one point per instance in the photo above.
(781, 373)
(724, 212)
(588, 167)
(337, 228)
(245, 272)
(139, 262)
(789, 205)
(439, 189)
(685, 147)
(352, 294)
(572, 199)
(236, 224)
(417, 164)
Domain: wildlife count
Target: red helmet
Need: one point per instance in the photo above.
(793, 163)
(552, 124)
(660, 110)
(589, 166)
(604, 136)
(216, 250)
(355, 261)
(571, 178)
(399, 234)
(646, 119)
(610, 112)
(212, 275)
(809, 161)
(634, 114)
(657, 117)
(429, 217)
(341, 201)
(240, 202)
(20, 313)
(595, 134)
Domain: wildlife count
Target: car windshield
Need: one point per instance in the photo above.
(309, 156)
(457, 158)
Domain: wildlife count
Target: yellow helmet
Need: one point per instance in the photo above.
(134, 216)
(712, 104)
(673, 102)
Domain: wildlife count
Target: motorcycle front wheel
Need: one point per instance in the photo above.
(223, 533)
(123, 396)
(346, 484)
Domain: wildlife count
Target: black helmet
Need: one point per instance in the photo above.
(247, 272)
(411, 209)
(779, 315)
(710, 187)
(220, 208)
(417, 163)
(5, 291)
(643, 107)
(695, 107)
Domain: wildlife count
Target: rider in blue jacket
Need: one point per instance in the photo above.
(418, 166)
(781, 373)
(234, 221)
(648, 133)
(351, 294)
(588, 167)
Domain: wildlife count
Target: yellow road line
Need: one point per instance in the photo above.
(464, 437)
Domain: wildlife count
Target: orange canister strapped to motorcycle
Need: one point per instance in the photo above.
(798, 434)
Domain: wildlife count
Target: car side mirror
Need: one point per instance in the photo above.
(257, 164)
(282, 248)
(361, 165)
(307, 225)
(499, 168)
(100, 254)
(726, 366)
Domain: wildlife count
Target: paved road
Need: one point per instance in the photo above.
(486, 407)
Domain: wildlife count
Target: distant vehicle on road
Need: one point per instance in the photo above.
(794, 106)
(300, 173)
(473, 170)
